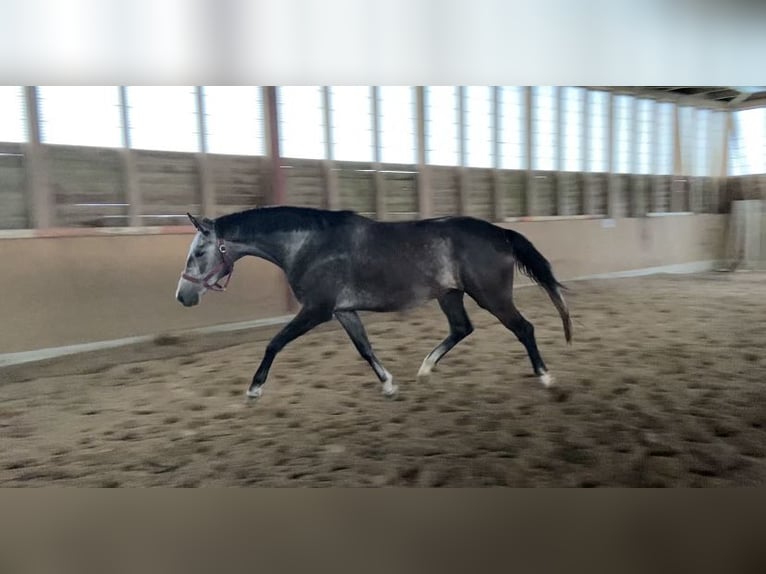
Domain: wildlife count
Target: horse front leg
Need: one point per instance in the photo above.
(306, 319)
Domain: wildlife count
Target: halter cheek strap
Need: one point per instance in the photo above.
(226, 264)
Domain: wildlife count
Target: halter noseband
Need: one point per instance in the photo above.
(226, 264)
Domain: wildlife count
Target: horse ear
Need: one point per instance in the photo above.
(201, 227)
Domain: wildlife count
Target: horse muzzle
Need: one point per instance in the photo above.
(187, 298)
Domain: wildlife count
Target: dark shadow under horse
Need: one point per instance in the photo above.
(339, 262)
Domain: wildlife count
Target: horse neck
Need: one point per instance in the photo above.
(277, 243)
(278, 247)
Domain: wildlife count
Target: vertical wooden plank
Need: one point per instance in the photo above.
(529, 191)
(39, 196)
(132, 190)
(379, 182)
(424, 185)
(129, 175)
(206, 186)
(331, 199)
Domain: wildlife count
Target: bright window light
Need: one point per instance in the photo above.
(442, 125)
(12, 114)
(397, 124)
(351, 113)
(544, 127)
(80, 115)
(234, 119)
(301, 122)
(512, 127)
(478, 120)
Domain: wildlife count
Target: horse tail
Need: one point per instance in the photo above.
(535, 266)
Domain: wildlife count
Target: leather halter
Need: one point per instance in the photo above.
(226, 264)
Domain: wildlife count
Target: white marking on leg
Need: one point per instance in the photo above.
(254, 392)
(546, 379)
(389, 388)
(426, 367)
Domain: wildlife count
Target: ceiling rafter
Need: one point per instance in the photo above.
(726, 97)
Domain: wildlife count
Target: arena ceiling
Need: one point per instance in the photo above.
(729, 96)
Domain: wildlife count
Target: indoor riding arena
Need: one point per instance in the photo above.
(647, 202)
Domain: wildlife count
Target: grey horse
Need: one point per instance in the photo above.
(338, 263)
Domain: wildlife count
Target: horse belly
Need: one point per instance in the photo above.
(395, 292)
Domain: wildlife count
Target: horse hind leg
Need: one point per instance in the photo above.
(504, 309)
(460, 327)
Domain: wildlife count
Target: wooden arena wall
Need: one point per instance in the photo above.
(71, 186)
(75, 286)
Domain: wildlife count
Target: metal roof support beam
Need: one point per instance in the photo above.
(424, 184)
(207, 189)
(379, 182)
(332, 194)
(530, 187)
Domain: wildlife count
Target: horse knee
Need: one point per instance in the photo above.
(522, 328)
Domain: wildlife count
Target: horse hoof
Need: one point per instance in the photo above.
(547, 380)
(424, 373)
(390, 391)
(254, 392)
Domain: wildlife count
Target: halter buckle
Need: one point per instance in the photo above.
(225, 264)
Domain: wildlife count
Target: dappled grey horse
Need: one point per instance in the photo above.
(339, 262)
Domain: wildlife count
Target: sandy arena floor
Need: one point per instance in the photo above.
(665, 385)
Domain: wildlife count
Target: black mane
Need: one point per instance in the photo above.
(247, 225)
